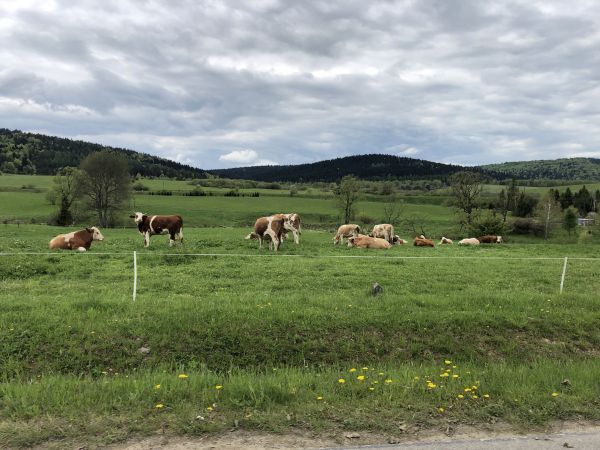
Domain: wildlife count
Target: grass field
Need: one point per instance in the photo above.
(278, 332)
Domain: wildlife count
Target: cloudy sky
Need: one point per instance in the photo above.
(223, 84)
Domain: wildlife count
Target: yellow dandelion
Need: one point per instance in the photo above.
(460, 396)
(381, 374)
(341, 381)
(445, 374)
(375, 382)
(454, 367)
(486, 395)
(431, 385)
(218, 387)
(360, 378)
(474, 388)
(183, 376)
(440, 409)
(388, 381)
(319, 398)
(447, 361)
(157, 386)
(455, 376)
(555, 394)
(352, 370)
(467, 389)
(417, 378)
(209, 408)
(365, 368)
(371, 388)
(159, 406)
(475, 397)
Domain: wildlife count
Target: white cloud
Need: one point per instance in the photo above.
(240, 156)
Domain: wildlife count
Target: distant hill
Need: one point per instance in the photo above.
(577, 169)
(28, 153)
(372, 167)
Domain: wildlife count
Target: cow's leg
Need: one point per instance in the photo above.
(146, 239)
(81, 249)
(260, 239)
(296, 237)
(172, 238)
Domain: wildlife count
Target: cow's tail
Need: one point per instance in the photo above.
(181, 234)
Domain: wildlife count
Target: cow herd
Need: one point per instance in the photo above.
(273, 229)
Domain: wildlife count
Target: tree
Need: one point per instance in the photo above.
(566, 199)
(466, 188)
(511, 195)
(105, 183)
(64, 193)
(525, 205)
(346, 195)
(583, 201)
(392, 209)
(570, 220)
(548, 212)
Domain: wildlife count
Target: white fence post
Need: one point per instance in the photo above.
(134, 275)
(562, 279)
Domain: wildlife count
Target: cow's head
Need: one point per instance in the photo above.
(138, 217)
(351, 241)
(499, 239)
(252, 236)
(95, 232)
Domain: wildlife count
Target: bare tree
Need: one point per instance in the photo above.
(64, 192)
(346, 195)
(105, 183)
(392, 209)
(466, 188)
(548, 212)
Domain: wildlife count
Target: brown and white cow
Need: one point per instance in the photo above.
(383, 231)
(445, 240)
(469, 241)
(270, 228)
(151, 225)
(362, 241)
(291, 223)
(490, 239)
(345, 231)
(423, 242)
(80, 240)
(398, 241)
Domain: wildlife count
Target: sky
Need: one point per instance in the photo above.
(237, 83)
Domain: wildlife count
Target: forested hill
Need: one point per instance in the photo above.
(581, 169)
(370, 167)
(28, 153)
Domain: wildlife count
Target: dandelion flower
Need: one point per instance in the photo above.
(365, 368)
(555, 394)
(381, 374)
(341, 381)
(474, 388)
(218, 387)
(455, 376)
(209, 408)
(440, 409)
(475, 397)
(157, 386)
(468, 389)
(417, 378)
(371, 388)
(319, 398)
(159, 406)
(388, 381)
(183, 376)
(460, 396)
(447, 361)
(486, 395)
(431, 385)
(352, 370)
(445, 374)
(360, 378)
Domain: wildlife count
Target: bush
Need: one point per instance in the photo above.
(139, 187)
(196, 193)
(232, 193)
(527, 226)
(364, 218)
(161, 192)
(489, 223)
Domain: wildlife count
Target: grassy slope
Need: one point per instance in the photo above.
(277, 337)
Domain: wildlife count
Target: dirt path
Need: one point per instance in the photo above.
(575, 435)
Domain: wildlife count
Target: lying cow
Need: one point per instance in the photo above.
(422, 242)
(490, 239)
(80, 240)
(151, 225)
(445, 240)
(362, 241)
(398, 241)
(270, 228)
(383, 231)
(469, 241)
(291, 223)
(345, 231)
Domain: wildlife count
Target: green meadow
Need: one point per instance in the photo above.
(223, 335)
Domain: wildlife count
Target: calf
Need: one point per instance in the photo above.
(445, 240)
(490, 239)
(80, 240)
(150, 225)
(271, 228)
(345, 231)
(383, 231)
(469, 241)
(422, 242)
(368, 242)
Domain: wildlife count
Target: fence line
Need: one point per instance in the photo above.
(134, 275)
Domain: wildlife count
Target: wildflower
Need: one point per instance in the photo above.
(486, 395)
(159, 406)
(475, 397)
(440, 409)
(460, 396)
(455, 376)
(365, 368)
(341, 381)
(352, 370)
(360, 378)
(431, 385)
(371, 388)
(447, 361)
(555, 394)
(319, 398)
(218, 387)
(388, 381)
(209, 408)
(474, 388)
(183, 376)
(157, 386)
(381, 374)
(445, 374)
(454, 367)
(467, 389)
(417, 378)
(375, 382)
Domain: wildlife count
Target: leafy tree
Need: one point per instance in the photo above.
(64, 193)
(511, 195)
(346, 195)
(105, 184)
(548, 212)
(466, 188)
(566, 199)
(583, 201)
(570, 220)
(525, 205)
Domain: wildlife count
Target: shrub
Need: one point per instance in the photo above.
(488, 223)
(527, 226)
(364, 218)
(196, 193)
(139, 187)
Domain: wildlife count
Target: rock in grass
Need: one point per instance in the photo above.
(376, 289)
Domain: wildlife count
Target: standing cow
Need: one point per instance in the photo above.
(383, 231)
(80, 240)
(345, 231)
(271, 228)
(291, 223)
(150, 225)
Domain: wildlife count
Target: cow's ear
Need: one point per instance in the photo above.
(132, 216)
(144, 217)
(89, 229)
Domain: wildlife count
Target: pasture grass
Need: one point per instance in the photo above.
(277, 332)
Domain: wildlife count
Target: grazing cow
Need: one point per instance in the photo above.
(398, 241)
(469, 241)
(345, 231)
(362, 241)
(445, 240)
(80, 240)
(150, 225)
(291, 223)
(490, 239)
(271, 228)
(422, 242)
(383, 231)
